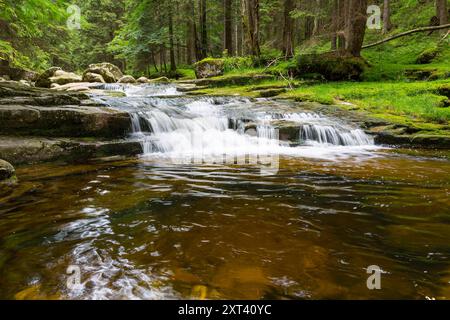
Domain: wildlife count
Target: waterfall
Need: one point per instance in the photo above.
(181, 126)
(326, 134)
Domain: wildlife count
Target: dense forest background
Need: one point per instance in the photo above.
(154, 37)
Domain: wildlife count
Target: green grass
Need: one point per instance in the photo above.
(186, 73)
(411, 100)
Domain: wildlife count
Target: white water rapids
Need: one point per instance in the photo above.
(180, 127)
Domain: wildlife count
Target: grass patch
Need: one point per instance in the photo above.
(415, 100)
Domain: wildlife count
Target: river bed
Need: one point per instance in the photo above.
(167, 226)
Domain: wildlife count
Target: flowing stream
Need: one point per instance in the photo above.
(230, 199)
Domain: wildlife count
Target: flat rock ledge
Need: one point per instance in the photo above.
(44, 125)
(40, 112)
(29, 150)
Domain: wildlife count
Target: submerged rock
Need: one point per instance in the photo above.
(7, 171)
(127, 79)
(208, 68)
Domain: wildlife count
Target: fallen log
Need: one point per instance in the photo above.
(445, 26)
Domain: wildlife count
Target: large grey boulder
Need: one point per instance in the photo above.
(108, 71)
(93, 77)
(56, 75)
(62, 77)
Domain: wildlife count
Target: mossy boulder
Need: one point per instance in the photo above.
(332, 67)
(427, 56)
(444, 90)
(209, 67)
(267, 93)
(159, 80)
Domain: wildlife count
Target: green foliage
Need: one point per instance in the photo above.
(32, 31)
(238, 63)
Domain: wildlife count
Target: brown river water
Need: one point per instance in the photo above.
(148, 228)
(143, 229)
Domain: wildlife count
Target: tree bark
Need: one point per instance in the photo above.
(173, 65)
(442, 11)
(387, 26)
(356, 27)
(228, 26)
(334, 24)
(288, 29)
(251, 24)
(203, 30)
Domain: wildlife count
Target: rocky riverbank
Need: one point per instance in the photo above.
(41, 125)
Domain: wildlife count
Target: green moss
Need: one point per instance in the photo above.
(427, 56)
(330, 66)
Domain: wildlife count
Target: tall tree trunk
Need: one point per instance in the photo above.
(190, 40)
(251, 23)
(356, 27)
(342, 22)
(173, 65)
(228, 26)
(442, 11)
(288, 29)
(203, 30)
(334, 24)
(387, 26)
(316, 23)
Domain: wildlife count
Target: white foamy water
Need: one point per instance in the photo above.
(200, 127)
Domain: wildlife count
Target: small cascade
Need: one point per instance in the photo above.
(184, 126)
(139, 134)
(113, 87)
(326, 134)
